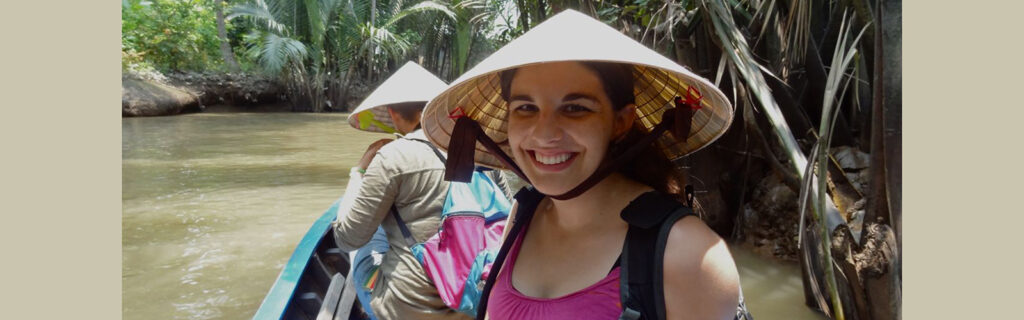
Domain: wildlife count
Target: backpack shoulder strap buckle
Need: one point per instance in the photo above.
(629, 314)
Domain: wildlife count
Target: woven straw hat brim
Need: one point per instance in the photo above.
(573, 36)
(411, 83)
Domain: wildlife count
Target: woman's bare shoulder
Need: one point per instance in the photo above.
(700, 275)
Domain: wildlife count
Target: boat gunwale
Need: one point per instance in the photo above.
(276, 302)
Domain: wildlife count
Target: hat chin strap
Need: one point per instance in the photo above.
(461, 149)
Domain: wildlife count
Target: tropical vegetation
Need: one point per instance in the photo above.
(805, 77)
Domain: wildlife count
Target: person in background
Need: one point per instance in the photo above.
(394, 180)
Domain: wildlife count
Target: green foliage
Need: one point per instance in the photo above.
(169, 35)
(465, 31)
(318, 47)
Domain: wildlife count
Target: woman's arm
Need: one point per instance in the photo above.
(701, 281)
(355, 182)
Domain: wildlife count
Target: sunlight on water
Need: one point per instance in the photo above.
(214, 204)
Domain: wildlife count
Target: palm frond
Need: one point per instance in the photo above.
(797, 33)
(722, 62)
(358, 10)
(735, 48)
(276, 52)
(259, 12)
(767, 10)
(317, 21)
(284, 10)
(814, 185)
(424, 6)
(394, 8)
(388, 43)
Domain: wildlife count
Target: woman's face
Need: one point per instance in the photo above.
(561, 124)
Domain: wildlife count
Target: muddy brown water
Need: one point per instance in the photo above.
(214, 204)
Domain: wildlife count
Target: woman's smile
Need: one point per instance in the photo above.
(552, 161)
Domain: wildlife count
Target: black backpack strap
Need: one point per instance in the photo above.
(633, 273)
(629, 310)
(659, 258)
(650, 217)
(528, 199)
(409, 240)
(642, 282)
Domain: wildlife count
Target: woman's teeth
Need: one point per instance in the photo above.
(555, 159)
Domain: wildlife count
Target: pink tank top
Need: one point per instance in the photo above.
(598, 301)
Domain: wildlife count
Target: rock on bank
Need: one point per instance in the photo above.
(159, 95)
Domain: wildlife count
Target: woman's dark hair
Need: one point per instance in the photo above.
(408, 110)
(650, 167)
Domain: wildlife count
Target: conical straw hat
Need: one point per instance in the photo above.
(411, 83)
(573, 36)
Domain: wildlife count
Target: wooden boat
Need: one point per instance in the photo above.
(314, 284)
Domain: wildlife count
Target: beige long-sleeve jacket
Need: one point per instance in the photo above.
(410, 176)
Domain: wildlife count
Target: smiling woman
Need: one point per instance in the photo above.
(561, 126)
(599, 91)
(593, 120)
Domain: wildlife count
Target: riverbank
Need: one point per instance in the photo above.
(156, 94)
(770, 219)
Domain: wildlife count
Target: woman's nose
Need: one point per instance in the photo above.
(547, 128)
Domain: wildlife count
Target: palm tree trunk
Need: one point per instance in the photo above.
(884, 203)
(222, 34)
(347, 86)
(373, 12)
(524, 15)
(877, 204)
(892, 94)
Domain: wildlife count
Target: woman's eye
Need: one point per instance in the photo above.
(575, 108)
(525, 108)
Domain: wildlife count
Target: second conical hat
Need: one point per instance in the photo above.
(411, 83)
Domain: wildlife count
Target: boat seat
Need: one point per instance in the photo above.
(339, 300)
(307, 304)
(332, 259)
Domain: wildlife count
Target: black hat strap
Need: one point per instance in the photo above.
(462, 149)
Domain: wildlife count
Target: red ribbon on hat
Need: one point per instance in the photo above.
(693, 99)
(456, 113)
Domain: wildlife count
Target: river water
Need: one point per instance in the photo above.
(214, 204)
